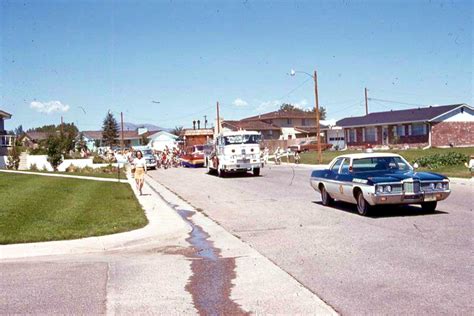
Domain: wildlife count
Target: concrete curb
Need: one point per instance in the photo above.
(65, 176)
(163, 223)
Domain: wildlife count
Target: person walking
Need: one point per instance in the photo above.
(139, 164)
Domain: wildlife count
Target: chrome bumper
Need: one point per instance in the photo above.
(242, 166)
(411, 198)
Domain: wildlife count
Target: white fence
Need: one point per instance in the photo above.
(41, 162)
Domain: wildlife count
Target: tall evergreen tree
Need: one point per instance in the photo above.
(110, 130)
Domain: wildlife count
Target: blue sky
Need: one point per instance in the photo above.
(80, 59)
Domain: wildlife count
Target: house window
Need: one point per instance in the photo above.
(303, 122)
(270, 132)
(399, 130)
(288, 121)
(418, 129)
(351, 135)
(370, 134)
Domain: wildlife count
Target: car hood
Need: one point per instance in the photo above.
(398, 176)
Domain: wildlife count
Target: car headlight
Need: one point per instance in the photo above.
(380, 188)
(388, 188)
(446, 185)
(432, 186)
(439, 186)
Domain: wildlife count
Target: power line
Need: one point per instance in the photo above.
(396, 102)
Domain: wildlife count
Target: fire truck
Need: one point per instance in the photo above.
(234, 152)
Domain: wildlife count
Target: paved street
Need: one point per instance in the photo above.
(400, 261)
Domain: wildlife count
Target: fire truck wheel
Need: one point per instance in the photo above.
(220, 172)
(256, 172)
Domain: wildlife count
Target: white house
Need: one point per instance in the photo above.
(159, 140)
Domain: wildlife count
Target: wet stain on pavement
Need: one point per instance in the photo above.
(211, 281)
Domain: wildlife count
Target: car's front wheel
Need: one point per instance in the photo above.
(326, 199)
(429, 207)
(362, 206)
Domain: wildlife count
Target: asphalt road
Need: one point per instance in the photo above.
(401, 261)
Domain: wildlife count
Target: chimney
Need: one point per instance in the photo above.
(199, 124)
(194, 124)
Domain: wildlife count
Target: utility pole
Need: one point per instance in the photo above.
(366, 103)
(218, 119)
(62, 123)
(205, 121)
(318, 131)
(121, 134)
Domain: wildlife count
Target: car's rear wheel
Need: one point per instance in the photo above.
(429, 207)
(362, 206)
(326, 199)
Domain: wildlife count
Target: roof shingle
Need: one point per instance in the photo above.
(397, 116)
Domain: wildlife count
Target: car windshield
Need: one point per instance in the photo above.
(241, 139)
(147, 152)
(380, 164)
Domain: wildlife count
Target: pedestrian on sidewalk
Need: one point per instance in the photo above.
(297, 157)
(139, 163)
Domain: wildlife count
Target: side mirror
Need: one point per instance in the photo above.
(416, 166)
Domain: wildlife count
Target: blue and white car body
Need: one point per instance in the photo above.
(370, 179)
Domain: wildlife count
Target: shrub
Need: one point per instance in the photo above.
(439, 160)
(34, 167)
(72, 168)
(98, 159)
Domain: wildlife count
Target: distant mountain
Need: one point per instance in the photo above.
(127, 126)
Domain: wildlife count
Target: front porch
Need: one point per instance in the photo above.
(6, 142)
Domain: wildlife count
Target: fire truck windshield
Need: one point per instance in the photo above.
(241, 139)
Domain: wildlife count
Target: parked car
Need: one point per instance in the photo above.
(371, 179)
(309, 145)
(148, 155)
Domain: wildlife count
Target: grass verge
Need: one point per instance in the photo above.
(37, 208)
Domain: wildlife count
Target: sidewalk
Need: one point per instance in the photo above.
(163, 223)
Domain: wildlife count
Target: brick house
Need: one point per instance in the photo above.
(436, 126)
(6, 141)
(279, 124)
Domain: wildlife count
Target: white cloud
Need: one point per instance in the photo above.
(240, 102)
(268, 105)
(49, 107)
(303, 104)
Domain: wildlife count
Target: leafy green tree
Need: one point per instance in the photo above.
(13, 161)
(178, 130)
(286, 107)
(144, 139)
(55, 150)
(110, 130)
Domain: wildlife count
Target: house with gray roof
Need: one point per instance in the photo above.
(434, 126)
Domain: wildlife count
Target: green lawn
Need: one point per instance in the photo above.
(410, 155)
(37, 208)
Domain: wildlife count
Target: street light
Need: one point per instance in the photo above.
(318, 132)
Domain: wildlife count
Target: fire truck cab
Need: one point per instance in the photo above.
(237, 151)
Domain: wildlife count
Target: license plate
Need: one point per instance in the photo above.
(243, 161)
(430, 198)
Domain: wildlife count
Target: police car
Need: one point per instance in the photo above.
(370, 179)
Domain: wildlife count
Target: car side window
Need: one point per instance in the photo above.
(345, 166)
(337, 164)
